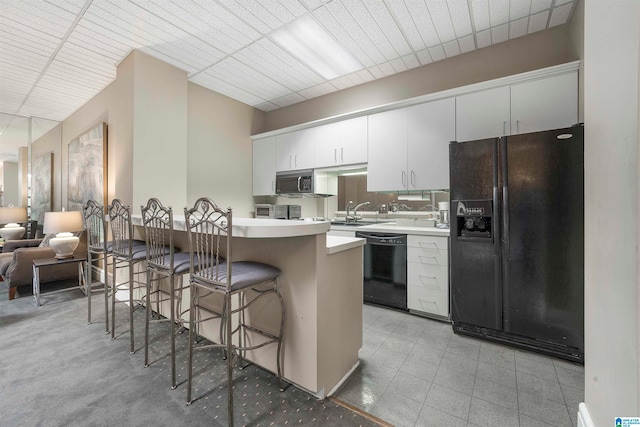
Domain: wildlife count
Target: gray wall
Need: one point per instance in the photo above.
(10, 184)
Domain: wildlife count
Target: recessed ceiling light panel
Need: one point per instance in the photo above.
(305, 39)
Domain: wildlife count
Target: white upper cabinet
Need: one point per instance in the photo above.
(341, 143)
(409, 147)
(531, 106)
(295, 150)
(483, 114)
(387, 167)
(431, 126)
(544, 104)
(264, 166)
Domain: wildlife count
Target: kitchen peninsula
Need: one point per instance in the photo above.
(321, 284)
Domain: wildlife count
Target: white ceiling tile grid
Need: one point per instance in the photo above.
(55, 55)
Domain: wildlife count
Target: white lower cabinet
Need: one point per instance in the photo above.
(428, 275)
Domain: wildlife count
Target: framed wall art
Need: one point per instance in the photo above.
(41, 190)
(87, 164)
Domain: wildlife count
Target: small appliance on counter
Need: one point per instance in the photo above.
(272, 211)
(443, 215)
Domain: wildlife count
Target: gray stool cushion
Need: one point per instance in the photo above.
(245, 274)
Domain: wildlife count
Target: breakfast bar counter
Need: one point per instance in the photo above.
(321, 284)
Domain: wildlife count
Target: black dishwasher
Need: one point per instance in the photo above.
(385, 269)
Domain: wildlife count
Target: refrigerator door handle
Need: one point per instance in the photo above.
(506, 298)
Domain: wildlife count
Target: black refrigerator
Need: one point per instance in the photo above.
(517, 240)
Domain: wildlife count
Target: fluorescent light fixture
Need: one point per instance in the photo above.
(354, 173)
(305, 39)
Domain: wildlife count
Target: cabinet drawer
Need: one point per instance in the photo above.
(427, 276)
(428, 300)
(428, 256)
(428, 242)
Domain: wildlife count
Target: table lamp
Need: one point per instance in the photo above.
(63, 224)
(11, 216)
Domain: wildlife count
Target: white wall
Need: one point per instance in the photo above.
(611, 52)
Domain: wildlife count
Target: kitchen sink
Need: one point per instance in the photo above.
(354, 224)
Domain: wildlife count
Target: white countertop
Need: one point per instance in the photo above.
(258, 227)
(337, 244)
(392, 227)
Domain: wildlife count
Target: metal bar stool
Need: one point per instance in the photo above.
(97, 249)
(126, 253)
(210, 235)
(162, 262)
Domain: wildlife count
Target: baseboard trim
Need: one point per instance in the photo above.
(584, 419)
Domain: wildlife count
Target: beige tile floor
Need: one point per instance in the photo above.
(416, 372)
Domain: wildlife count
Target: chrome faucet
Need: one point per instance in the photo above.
(355, 217)
(348, 216)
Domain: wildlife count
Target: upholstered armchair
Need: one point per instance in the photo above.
(16, 263)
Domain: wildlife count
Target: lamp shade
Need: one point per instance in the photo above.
(61, 222)
(9, 215)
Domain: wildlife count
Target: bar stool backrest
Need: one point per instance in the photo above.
(158, 229)
(96, 226)
(121, 229)
(209, 230)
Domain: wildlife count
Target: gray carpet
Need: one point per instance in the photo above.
(56, 370)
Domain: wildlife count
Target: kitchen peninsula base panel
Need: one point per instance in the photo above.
(322, 290)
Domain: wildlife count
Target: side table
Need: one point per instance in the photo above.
(48, 262)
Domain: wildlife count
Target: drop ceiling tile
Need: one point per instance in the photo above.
(423, 21)
(467, 43)
(19, 28)
(212, 82)
(498, 12)
(480, 13)
(170, 58)
(441, 20)
(371, 29)
(398, 65)
(267, 106)
(36, 17)
(410, 61)
(500, 33)
(387, 69)
(272, 60)
(295, 7)
(540, 5)
(335, 29)
(387, 24)
(318, 90)
(483, 38)
(407, 25)
(437, 53)
(460, 16)
(22, 58)
(538, 22)
(263, 23)
(424, 57)
(376, 72)
(287, 100)
(238, 74)
(342, 83)
(561, 2)
(519, 9)
(9, 35)
(451, 48)
(518, 28)
(351, 26)
(560, 15)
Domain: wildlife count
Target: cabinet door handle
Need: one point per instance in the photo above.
(335, 155)
(404, 179)
(290, 161)
(295, 160)
(413, 178)
(342, 154)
